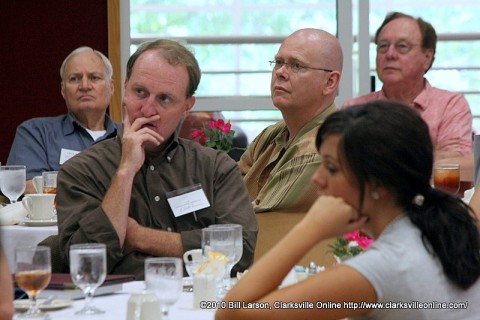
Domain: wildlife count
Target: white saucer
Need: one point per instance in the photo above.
(39, 223)
(24, 304)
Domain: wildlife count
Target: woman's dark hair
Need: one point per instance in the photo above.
(386, 143)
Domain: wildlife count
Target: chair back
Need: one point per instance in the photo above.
(273, 226)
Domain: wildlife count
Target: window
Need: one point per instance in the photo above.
(234, 39)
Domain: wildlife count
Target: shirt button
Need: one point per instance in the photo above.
(152, 168)
(157, 198)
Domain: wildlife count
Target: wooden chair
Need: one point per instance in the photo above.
(275, 225)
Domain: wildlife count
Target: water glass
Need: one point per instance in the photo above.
(217, 241)
(32, 273)
(164, 277)
(237, 229)
(88, 269)
(12, 181)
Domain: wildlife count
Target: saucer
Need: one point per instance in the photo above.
(23, 305)
(39, 223)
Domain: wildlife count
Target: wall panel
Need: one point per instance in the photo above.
(35, 38)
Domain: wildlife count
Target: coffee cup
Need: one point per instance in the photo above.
(39, 206)
(143, 306)
(192, 260)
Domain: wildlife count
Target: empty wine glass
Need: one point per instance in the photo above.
(12, 181)
(32, 274)
(237, 229)
(88, 269)
(164, 277)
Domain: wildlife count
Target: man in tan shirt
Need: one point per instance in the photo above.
(277, 166)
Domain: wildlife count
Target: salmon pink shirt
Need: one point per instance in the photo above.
(447, 114)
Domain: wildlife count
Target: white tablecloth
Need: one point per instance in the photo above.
(18, 235)
(115, 306)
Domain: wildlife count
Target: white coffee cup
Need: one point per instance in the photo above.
(143, 306)
(192, 260)
(37, 182)
(39, 206)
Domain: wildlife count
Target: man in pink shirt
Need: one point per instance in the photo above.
(405, 52)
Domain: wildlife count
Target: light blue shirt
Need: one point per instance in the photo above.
(39, 142)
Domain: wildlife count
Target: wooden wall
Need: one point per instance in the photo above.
(36, 35)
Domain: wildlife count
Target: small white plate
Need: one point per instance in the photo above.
(24, 304)
(39, 223)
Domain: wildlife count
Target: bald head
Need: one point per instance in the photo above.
(325, 47)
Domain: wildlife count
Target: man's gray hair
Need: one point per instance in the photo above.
(106, 62)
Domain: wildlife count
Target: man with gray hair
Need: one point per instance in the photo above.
(44, 144)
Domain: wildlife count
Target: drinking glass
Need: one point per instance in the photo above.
(164, 277)
(219, 240)
(32, 273)
(49, 182)
(49, 185)
(12, 181)
(88, 269)
(446, 177)
(237, 229)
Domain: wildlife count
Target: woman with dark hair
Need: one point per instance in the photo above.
(375, 175)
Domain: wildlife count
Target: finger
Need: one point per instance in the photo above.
(126, 119)
(141, 122)
(146, 132)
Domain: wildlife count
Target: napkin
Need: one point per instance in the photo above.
(467, 195)
(12, 214)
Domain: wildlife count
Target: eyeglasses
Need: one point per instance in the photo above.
(295, 67)
(401, 47)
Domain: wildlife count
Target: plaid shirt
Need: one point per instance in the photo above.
(277, 172)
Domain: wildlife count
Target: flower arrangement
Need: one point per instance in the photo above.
(217, 135)
(350, 245)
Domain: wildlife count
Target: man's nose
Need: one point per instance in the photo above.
(148, 107)
(85, 83)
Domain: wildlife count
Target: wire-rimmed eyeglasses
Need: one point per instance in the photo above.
(401, 47)
(295, 67)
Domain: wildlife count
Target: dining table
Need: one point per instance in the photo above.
(23, 235)
(115, 306)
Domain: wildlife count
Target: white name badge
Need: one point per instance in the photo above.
(66, 154)
(187, 200)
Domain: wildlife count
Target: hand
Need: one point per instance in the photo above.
(334, 216)
(135, 137)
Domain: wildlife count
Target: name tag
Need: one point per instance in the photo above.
(187, 200)
(66, 154)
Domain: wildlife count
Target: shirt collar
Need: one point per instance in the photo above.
(421, 101)
(70, 124)
(282, 138)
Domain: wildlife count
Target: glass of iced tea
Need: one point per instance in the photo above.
(49, 185)
(49, 182)
(446, 177)
(32, 273)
